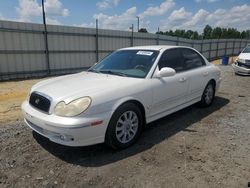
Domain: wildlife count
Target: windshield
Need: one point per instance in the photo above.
(131, 63)
(246, 50)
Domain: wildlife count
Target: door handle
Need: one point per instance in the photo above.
(205, 73)
(183, 79)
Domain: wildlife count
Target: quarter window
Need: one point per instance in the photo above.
(172, 58)
(192, 59)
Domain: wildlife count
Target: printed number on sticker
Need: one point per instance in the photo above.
(144, 53)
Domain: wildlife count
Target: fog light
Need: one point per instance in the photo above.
(66, 138)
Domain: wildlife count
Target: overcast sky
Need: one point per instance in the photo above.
(120, 14)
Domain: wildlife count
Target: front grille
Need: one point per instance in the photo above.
(40, 102)
(245, 65)
(247, 61)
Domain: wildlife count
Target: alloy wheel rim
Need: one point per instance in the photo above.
(126, 127)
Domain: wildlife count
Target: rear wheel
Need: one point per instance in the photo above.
(124, 127)
(208, 95)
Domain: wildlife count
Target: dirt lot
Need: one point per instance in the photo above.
(191, 148)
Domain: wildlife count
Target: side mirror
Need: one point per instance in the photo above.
(166, 72)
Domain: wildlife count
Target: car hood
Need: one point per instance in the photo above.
(82, 84)
(244, 56)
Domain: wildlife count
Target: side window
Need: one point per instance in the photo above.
(191, 59)
(171, 58)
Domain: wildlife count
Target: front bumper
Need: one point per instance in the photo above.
(240, 70)
(69, 131)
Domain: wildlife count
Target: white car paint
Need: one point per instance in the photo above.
(159, 97)
(242, 63)
(244, 56)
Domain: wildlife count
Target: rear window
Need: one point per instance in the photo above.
(192, 59)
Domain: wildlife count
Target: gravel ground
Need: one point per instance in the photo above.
(191, 148)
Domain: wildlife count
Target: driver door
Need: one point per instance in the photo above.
(169, 92)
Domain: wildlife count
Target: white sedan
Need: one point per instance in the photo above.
(114, 99)
(242, 63)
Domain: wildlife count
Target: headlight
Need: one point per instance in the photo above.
(241, 60)
(73, 108)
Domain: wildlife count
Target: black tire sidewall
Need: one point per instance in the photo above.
(203, 100)
(110, 137)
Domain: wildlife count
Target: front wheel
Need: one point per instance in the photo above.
(208, 95)
(124, 127)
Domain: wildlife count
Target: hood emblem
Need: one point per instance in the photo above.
(37, 101)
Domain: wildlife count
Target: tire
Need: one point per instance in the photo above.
(208, 95)
(125, 126)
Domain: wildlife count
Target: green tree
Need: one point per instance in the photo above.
(179, 33)
(248, 34)
(188, 34)
(195, 35)
(171, 33)
(243, 34)
(224, 34)
(216, 33)
(207, 32)
(143, 30)
(159, 32)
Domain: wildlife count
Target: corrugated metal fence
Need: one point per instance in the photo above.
(72, 49)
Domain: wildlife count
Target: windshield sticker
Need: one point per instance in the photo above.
(144, 53)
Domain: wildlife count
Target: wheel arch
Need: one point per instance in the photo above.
(213, 82)
(135, 101)
(108, 138)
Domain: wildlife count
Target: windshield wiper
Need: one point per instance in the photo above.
(93, 70)
(107, 72)
(113, 72)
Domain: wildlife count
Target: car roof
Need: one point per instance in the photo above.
(153, 47)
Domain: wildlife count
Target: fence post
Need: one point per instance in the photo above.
(158, 36)
(157, 40)
(201, 46)
(233, 47)
(46, 39)
(240, 44)
(132, 36)
(210, 48)
(177, 41)
(96, 41)
(217, 50)
(225, 49)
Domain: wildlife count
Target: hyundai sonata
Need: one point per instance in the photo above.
(242, 63)
(115, 98)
